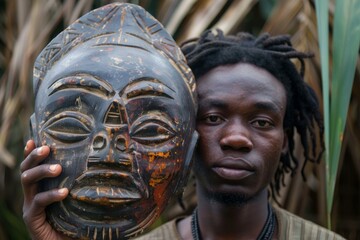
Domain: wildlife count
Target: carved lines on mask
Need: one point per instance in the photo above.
(84, 82)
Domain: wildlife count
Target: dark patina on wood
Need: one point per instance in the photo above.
(114, 99)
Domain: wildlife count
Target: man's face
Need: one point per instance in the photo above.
(118, 120)
(241, 135)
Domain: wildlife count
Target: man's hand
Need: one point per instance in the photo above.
(35, 202)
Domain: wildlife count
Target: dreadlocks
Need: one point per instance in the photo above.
(273, 54)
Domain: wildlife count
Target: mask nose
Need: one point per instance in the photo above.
(236, 136)
(112, 147)
(116, 115)
(115, 122)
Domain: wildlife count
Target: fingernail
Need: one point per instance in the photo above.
(26, 146)
(40, 150)
(62, 190)
(53, 167)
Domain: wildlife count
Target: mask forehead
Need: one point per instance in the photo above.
(119, 65)
(116, 24)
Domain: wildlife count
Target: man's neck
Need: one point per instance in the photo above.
(219, 220)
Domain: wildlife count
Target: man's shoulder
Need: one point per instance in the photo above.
(164, 232)
(296, 227)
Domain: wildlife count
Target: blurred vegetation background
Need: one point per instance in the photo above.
(26, 26)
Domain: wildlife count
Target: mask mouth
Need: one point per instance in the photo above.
(107, 187)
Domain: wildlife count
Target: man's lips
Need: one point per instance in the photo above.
(233, 168)
(106, 187)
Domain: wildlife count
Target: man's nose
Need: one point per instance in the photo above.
(236, 135)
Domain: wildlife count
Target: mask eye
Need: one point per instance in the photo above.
(152, 132)
(68, 127)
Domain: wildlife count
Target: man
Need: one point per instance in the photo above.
(251, 100)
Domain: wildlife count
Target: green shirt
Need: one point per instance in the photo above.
(290, 227)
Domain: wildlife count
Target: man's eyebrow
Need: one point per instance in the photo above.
(218, 103)
(82, 82)
(268, 106)
(147, 87)
(212, 103)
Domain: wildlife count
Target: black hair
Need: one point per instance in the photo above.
(272, 53)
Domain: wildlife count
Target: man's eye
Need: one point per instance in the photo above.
(152, 133)
(68, 129)
(262, 124)
(213, 119)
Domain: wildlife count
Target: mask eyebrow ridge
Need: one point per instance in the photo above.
(148, 87)
(87, 82)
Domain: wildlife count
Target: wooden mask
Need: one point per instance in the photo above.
(115, 101)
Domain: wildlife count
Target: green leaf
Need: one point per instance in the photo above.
(322, 17)
(346, 41)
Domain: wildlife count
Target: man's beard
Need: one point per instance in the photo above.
(234, 199)
(230, 199)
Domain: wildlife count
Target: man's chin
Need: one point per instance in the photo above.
(230, 199)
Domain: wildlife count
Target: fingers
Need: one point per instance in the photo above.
(34, 156)
(32, 171)
(37, 173)
(34, 211)
(31, 177)
(43, 199)
(36, 207)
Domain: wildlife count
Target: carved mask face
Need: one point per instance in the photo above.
(120, 121)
